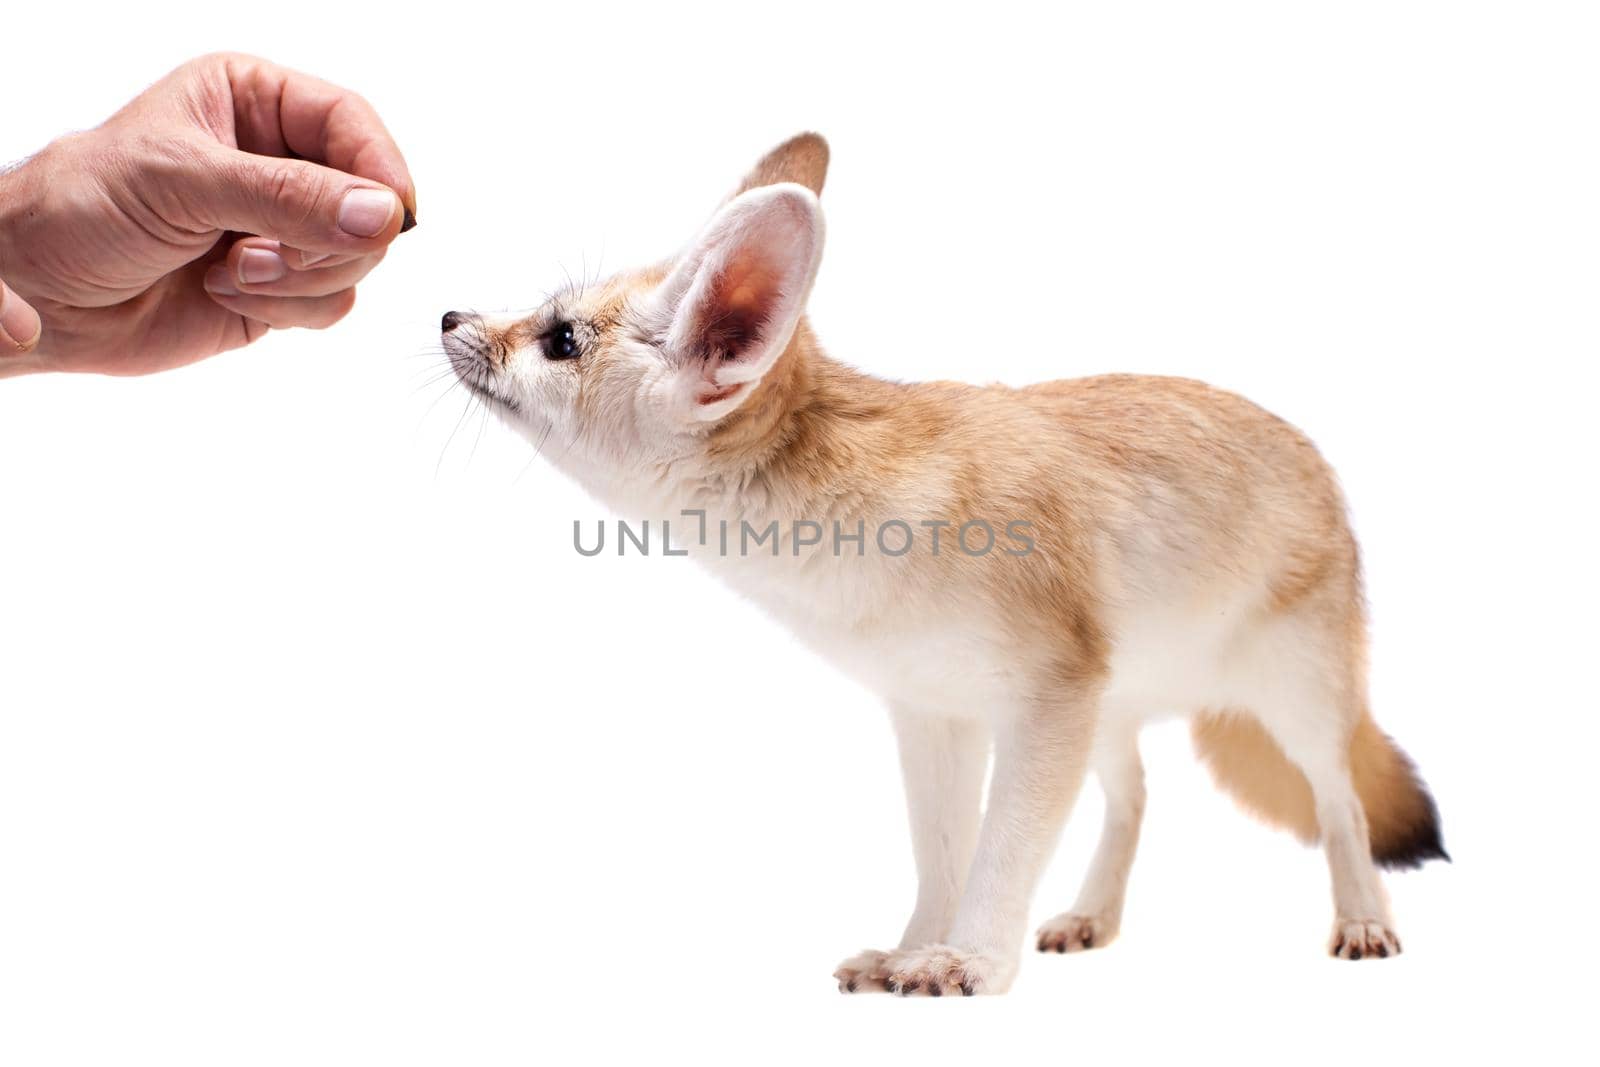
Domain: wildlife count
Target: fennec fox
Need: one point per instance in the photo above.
(1114, 549)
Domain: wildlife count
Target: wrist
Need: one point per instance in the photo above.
(12, 363)
(22, 189)
(25, 209)
(16, 196)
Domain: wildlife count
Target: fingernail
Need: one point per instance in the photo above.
(366, 212)
(219, 280)
(257, 266)
(311, 259)
(19, 323)
(409, 222)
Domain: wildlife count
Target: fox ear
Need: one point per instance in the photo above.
(736, 296)
(802, 159)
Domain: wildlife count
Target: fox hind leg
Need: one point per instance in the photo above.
(1317, 740)
(1096, 916)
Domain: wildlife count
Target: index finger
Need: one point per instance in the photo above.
(281, 112)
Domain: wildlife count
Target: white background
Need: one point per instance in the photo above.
(320, 745)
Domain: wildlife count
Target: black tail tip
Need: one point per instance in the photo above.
(1412, 858)
(1415, 845)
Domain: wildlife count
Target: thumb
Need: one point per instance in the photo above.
(19, 323)
(301, 204)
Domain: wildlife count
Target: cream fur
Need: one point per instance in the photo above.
(1192, 557)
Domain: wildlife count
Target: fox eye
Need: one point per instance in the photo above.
(559, 342)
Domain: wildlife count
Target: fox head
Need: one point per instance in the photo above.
(640, 370)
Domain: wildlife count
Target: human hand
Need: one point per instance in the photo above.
(230, 198)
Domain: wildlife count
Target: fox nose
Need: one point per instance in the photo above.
(451, 320)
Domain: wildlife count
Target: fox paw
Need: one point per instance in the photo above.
(1363, 939)
(935, 970)
(1075, 933)
(865, 972)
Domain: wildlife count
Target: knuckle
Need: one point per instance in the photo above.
(222, 60)
(203, 81)
(290, 194)
(161, 160)
(206, 63)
